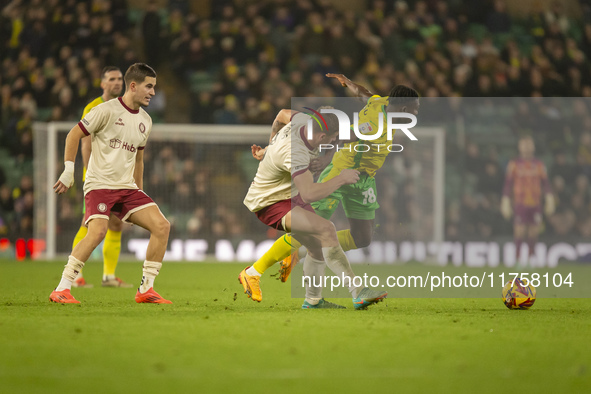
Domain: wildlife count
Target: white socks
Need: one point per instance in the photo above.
(314, 269)
(74, 266)
(252, 271)
(339, 264)
(71, 270)
(151, 270)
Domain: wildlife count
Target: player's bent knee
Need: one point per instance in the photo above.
(162, 229)
(96, 236)
(326, 230)
(362, 241)
(328, 227)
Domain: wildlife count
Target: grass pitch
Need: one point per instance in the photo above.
(215, 340)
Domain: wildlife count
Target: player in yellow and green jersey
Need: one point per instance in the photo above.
(112, 85)
(360, 199)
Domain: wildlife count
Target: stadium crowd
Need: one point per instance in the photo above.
(245, 61)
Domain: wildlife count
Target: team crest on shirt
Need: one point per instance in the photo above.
(142, 128)
(102, 207)
(365, 128)
(115, 143)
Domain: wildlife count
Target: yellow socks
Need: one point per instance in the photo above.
(111, 251)
(294, 242)
(280, 250)
(82, 231)
(346, 240)
(284, 245)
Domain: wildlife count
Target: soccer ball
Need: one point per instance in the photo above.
(519, 294)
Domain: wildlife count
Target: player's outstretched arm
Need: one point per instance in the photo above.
(358, 90)
(66, 179)
(310, 191)
(506, 209)
(282, 118)
(550, 202)
(549, 205)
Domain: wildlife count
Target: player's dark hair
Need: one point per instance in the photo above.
(402, 95)
(108, 69)
(332, 122)
(137, 73)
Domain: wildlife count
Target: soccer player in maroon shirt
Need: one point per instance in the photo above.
(525, 181)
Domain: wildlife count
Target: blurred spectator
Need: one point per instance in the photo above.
(151, 31)
(563, 223)
(491, 180)
(6, 199)
(561, 168)
(584, 153)
(560, 191)
(244, 62)
(555, 16)
(499, 21)
(475, 163)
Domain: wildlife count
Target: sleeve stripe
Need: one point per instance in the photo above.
(300, 172)
(141, 147)
(83, 128)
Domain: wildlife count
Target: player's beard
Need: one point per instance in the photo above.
(115, 92)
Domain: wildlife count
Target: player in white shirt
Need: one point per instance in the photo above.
(280, 196)
(119, 130)
(112, 85)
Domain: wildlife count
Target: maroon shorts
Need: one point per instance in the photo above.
(273, 214)
(121, 203)
(528, 215)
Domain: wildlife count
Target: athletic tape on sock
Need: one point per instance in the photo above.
(150, 271)
(72, 268)
(152, 267)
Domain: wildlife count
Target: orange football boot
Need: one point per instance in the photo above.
(81, 282)
(116, 282)
(150, 297)
(287, 265)
(251, 284)
(63, 297)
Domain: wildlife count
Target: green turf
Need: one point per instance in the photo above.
(214, 339)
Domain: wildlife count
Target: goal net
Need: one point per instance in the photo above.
(199, 175)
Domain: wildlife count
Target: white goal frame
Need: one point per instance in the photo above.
(247, 134)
